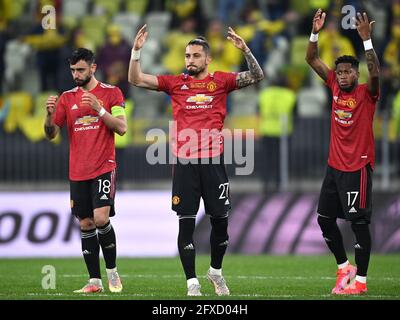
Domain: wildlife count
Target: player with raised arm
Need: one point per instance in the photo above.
(347, 188)
(92, 112)
(199, 104)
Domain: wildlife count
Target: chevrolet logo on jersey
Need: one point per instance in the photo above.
(343, 114)
(200, 99)
(87, 120)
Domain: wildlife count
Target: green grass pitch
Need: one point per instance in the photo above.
(248, 277)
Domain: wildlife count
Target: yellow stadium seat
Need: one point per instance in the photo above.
(136, 6)
(110, 7)
(93, 27)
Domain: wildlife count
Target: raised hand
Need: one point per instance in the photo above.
(364, 27)
(90, 100)
(237, 40)
(318, 21)
(51, 105)
(140, 38)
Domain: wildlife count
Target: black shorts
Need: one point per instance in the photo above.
(209, 181)
(347, 195)
(88, 195)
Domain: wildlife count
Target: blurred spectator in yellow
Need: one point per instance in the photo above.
(5, 13)
(332, 44)
(113, 59)
(175, 43)
(47, 43)
(258, 32)
(391, 64)
(184, 9)
(225, 57)
(277, 104)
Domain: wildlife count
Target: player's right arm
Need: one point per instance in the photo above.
(312, 56)
(50, 128)
(135, 74)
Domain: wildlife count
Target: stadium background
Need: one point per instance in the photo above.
(272, 214)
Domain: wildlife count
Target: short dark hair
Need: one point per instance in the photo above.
(348, 59)
(82, 54)
(201, 41)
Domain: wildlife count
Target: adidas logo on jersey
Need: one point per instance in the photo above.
(190, 246)
(85, 252)
(352, 210)
(104, 197)
(357, 246)
(74, 107)
(227, 202)
(184, 87)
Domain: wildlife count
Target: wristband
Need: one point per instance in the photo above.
(314, 37)
(368, 44)
(102, 112)
(135, 55)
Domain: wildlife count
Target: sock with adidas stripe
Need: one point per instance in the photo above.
(186, 248)
(218, 240)
(108, 244)
(90, 251)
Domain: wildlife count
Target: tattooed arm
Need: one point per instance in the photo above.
(255, 73)
(51, 129)
(364, 28)
(312, 56)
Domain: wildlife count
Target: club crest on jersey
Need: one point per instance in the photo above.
(176, 200)
(211, 86)
(87, 120)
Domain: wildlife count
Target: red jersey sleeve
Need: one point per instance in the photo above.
(117, 98)
(230, 80)
(165, 83)
(331, 79)
(61, 116)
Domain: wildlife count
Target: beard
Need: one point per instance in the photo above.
(348, 88)
(84, 82)
(195, 71)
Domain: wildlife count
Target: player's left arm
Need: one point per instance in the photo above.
(115, 120)
(255, 73)
(364, 28)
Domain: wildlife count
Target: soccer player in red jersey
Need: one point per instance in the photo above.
(347, 188)
(92, 112)
(199, 105)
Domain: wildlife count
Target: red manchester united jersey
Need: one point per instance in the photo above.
(352, 138)
(199, 110)
(92, 150)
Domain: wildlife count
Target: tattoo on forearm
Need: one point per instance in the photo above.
(254, 74)
(372, 62)
(49, 130)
